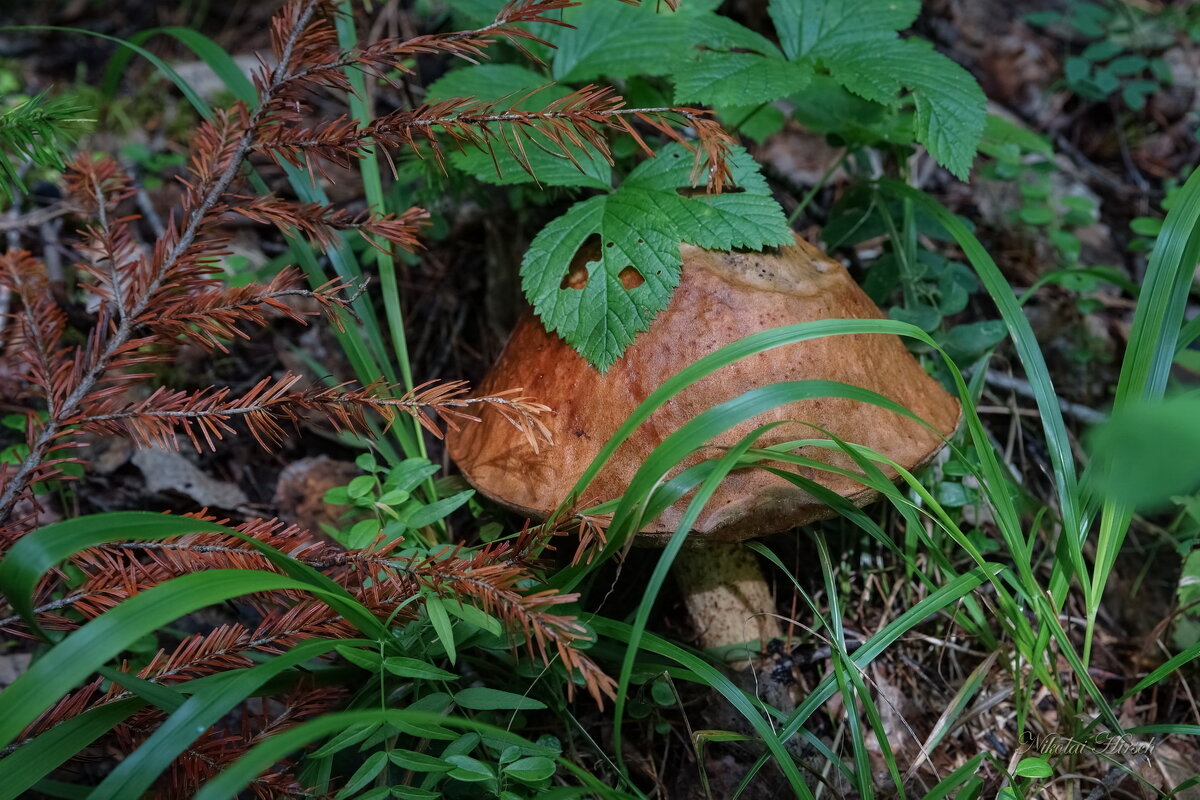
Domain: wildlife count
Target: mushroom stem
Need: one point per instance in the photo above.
(727, 597)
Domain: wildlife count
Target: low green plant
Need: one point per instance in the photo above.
(1121, 58)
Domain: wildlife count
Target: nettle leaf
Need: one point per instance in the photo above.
(598, 275)
(525, 89)
(617, 40)
(743, 78)
(951, 109)
(856, 41)
(827, 29)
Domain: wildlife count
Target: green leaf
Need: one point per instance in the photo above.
(360, 486)
(1128, 65)
(1036, 215)
(359, 657)
(1101, 51)
(531, 769)
(415, 668)
(364, 774)
(618, 40)
(418, 762)
(856, 41)
(475, 616)
(1034, 768)
(638, 230)
(1146, 226)
(469, 769)
(409, 473)
(972, 338)
(951, 109)
(719, 78)
(483, 699)
(1148, 452)
(165, 697)
(437, 510)
(440, 620)
(414, 793)
(825, 29)
(1077, 69)
(517, 87)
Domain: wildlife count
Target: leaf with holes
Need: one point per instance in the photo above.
(598, 275)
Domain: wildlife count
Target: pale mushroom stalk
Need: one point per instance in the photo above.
(727, 597)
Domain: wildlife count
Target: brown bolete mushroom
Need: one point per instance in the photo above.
(721, 298)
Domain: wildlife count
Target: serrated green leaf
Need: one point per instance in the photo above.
(617, 40)
(601, 319)
(514, 86)
(638, 230)
(821, 29)
(742, 78)
(951, 109)
(856, 41)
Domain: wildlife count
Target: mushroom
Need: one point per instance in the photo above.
(721, 298)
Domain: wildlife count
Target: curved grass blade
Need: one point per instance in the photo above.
(722, 468)
(137, 771)
(49, 545)
(199, 103)
(875, 646)
(78, 655)
(713, 677)
(208, 51)
(35, 759)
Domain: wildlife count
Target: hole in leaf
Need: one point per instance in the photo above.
(577, 272)
(630, 278)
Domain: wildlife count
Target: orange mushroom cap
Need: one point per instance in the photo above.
(722, 297)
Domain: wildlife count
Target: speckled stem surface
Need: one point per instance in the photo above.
(727, 597)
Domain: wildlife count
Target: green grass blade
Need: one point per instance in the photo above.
(137, 771)
(199, 103)
(37, 758)
(1058, 442)
(871, 649)
(711, 482)
(711, 676)
(208, 51)
(78, 655)
(42, 549)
